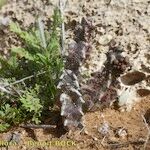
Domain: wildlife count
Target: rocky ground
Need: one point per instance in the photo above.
(127, 22)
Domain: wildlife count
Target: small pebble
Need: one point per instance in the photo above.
(104, 129)
(105, 39)
(121, 133)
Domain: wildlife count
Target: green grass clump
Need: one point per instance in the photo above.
(31, 74)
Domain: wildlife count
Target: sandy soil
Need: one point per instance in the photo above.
(90, 138)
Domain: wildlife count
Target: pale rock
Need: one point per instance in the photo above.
(105, 39)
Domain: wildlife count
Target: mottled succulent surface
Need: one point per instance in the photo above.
(101, 90)
(70, 95)
(103, 85)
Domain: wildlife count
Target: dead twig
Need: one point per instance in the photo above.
(22, 80)
(3, 89)
(10, 92)
(37, 126)
(115, 145)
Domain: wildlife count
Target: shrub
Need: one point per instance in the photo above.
(32, 73)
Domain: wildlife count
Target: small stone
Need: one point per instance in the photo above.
(14, 136)
(104, 129)
(105, 39)
(121, 133)
(4, 21)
